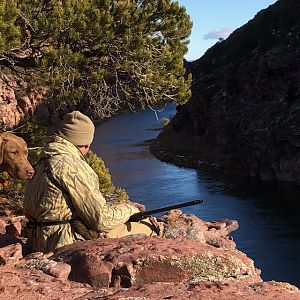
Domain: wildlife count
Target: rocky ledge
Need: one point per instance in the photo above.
(194, 259)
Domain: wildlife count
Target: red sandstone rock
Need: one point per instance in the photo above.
(137, 261)
(9, 209)
(207, 291)
(152, 268)
(38, 255)
(14, 108)
(57, 269)
(14, 229)
(32, 284)
(2, 226)
(11, 254)
(216, 233)
(138, 268)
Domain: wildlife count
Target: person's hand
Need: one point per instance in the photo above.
(139, 206)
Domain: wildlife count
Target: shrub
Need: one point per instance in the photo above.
(107, 188)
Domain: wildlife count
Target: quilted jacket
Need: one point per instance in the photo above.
(73, 193)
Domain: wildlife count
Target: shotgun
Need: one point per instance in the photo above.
(144, 214)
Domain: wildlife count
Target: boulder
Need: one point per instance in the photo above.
(14, 229)
(216, 233)
(207, 290)
(31, 284)
(11, 254)
(140, 268)
(56, 269)
(127, 262)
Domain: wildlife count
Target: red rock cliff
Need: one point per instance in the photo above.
(17, 103)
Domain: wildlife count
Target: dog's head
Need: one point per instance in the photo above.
(13, 156)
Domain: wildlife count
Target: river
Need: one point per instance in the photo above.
(269, 230)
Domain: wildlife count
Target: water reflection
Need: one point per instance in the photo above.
(269, 229)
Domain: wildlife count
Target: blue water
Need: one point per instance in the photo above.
(269, 230)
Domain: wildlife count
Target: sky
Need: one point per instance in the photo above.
(214, 19)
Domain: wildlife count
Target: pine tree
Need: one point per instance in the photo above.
(9, 31)
(104, 55)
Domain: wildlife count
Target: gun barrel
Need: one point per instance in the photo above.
(142, 215)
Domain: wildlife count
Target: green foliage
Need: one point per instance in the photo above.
(35, 137)
(15, 186)
(106, 55)
(107, 188)
(98, 166)
(34, 134)
(9, 31)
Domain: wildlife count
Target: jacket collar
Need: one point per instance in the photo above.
(57, 145)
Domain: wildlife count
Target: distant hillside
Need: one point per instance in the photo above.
(244, 113)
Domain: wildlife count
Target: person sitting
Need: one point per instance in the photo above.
(63, 202)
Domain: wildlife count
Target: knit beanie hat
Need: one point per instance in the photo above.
(77, 128)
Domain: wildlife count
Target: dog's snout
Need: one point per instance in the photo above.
(30, 173)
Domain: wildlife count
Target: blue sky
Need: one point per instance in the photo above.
(217, 18)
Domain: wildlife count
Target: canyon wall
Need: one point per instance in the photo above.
(244, 113)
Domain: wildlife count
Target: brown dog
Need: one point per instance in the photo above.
(13, 156)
